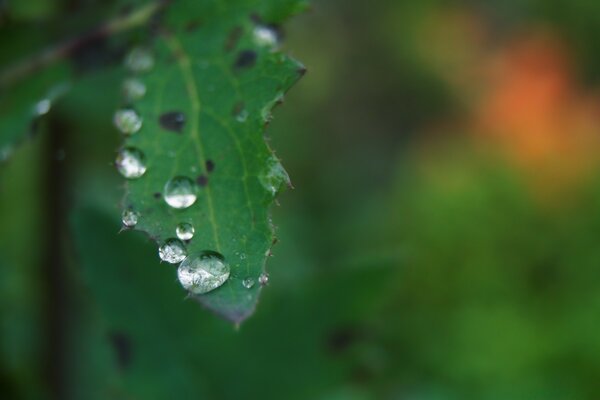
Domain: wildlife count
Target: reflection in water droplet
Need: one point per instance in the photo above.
(130, 218)
(185, 231)
(265, 36)
(248, 283)
(131, 163)
(133, 89)
(263, 279)
(202, 273)
(139, 59)
(42, 107)
(127, 121)
(172, 251)
(180, 192)
(274, 176)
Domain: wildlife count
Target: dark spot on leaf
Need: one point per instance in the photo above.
(172, 121)
(192, 25)
(233, 38)
(245, 59)
(122, 347)
(202, 180)
(210, 165)
(302, 70)
(342, 338)
(157, 195)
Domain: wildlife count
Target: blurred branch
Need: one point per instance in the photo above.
(49, 56)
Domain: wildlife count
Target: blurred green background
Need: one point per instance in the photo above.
(442, 240)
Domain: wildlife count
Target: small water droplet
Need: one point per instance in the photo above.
(131, 163)
(172, 251)
(242, 256)
(265, 36)
(172, 121)
(263, 279)
(42, 107)
(274, 177)
(248, 283)
(127, 121)
(185, 231)
(180, 192)
(6, 152)
(139, 59)
(266, 112)
(130, 218)
(242, 115)
(203, 272)
(133, 89)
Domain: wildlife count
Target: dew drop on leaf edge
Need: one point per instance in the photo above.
(203, 272)
(130, 218)
(131, 163)
(185, 231)
(172, 251)
(263, 279)
(180, 192)
(274, 176)
(127, 121)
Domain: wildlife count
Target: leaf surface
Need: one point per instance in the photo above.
(208, 98)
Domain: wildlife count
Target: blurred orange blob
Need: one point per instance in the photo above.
(532, 108)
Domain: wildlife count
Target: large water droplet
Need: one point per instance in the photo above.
(202, 273)
(180, 192)
(127, 121)
(265, 36)
(263, 279)
(274, 176)
(139, 59)
(131, 163)
(248, 283)
(172, 251)
(133, 89)
(185, 231)
(130, 218)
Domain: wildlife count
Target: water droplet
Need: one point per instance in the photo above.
(42, 107)
(202, 273)
(265, 36)
(130, 218)
(172, 251)
(242, 116)
(6, 152)
(127, 121)
(172, 121)
(133, 89)
(274, 176)
(248, 283)
(131, 163)
(139, 59)
(242, 256)
(180, 192)
(185, 231)
(263, 279)
(266, 112)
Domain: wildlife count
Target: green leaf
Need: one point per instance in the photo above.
(213, 71)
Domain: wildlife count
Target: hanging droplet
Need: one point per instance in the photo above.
(133, 89)
(185, 231)
(172, 251)
(265, 36)
(248, 283)
(274, 176)
(204, 272)
(130, 218)
(42, 107)
(131, 163)
(263, 279)
(180, 192)
(139, 59)
(127, 121)
(266, 112)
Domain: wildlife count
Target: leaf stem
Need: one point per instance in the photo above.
(49, 56)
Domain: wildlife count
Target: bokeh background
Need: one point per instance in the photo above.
(442, 241)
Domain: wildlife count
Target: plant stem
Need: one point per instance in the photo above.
(49, 56)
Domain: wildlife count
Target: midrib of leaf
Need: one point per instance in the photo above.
(184, 63)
